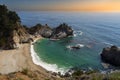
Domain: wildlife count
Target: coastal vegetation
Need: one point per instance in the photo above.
(10, 29)
(7, 24)
(27, 74)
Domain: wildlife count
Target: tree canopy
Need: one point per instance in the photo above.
(7, 18)
(8, 21)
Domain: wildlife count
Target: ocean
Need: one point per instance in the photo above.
(93, 30)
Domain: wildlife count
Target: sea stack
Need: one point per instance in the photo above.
(62, 31)
(111, 55)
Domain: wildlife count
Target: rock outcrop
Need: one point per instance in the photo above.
(43, 30)
(111, 55)
(15, 37)
(21, 34)
(62, 31)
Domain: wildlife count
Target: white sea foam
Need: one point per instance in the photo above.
(77, 33)
(50, 67)
(81, 45)
(81, 32)
(69, 47)
(107, 43)
(78, 45)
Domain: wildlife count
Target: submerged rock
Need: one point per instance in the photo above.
(77, 46)
(111, 55)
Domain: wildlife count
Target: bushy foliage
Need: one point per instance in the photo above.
(77, 73)
(8, 20)
(3, 10)
(13, 17)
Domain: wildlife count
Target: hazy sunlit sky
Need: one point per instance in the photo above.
(65, 5)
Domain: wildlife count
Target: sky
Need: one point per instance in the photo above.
(62, 5)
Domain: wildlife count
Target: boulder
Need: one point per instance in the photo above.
(111, 55)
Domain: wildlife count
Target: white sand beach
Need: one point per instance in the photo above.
(18, 59)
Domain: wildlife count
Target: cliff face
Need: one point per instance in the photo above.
(20, 35)
(12, 39)
(11, 31)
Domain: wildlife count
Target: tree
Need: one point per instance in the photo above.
(13, 17)
(8, 22)
(3, 10)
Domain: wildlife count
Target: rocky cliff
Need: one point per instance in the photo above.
(12, 33)
(62, 31)
(111, 55)
(43, 30)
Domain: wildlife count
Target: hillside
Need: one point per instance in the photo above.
(12, 33)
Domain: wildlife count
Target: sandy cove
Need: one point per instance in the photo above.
(19, 59)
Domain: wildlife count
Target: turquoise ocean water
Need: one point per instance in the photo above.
(94, 30)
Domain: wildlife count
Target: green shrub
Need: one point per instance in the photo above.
(77, 73)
